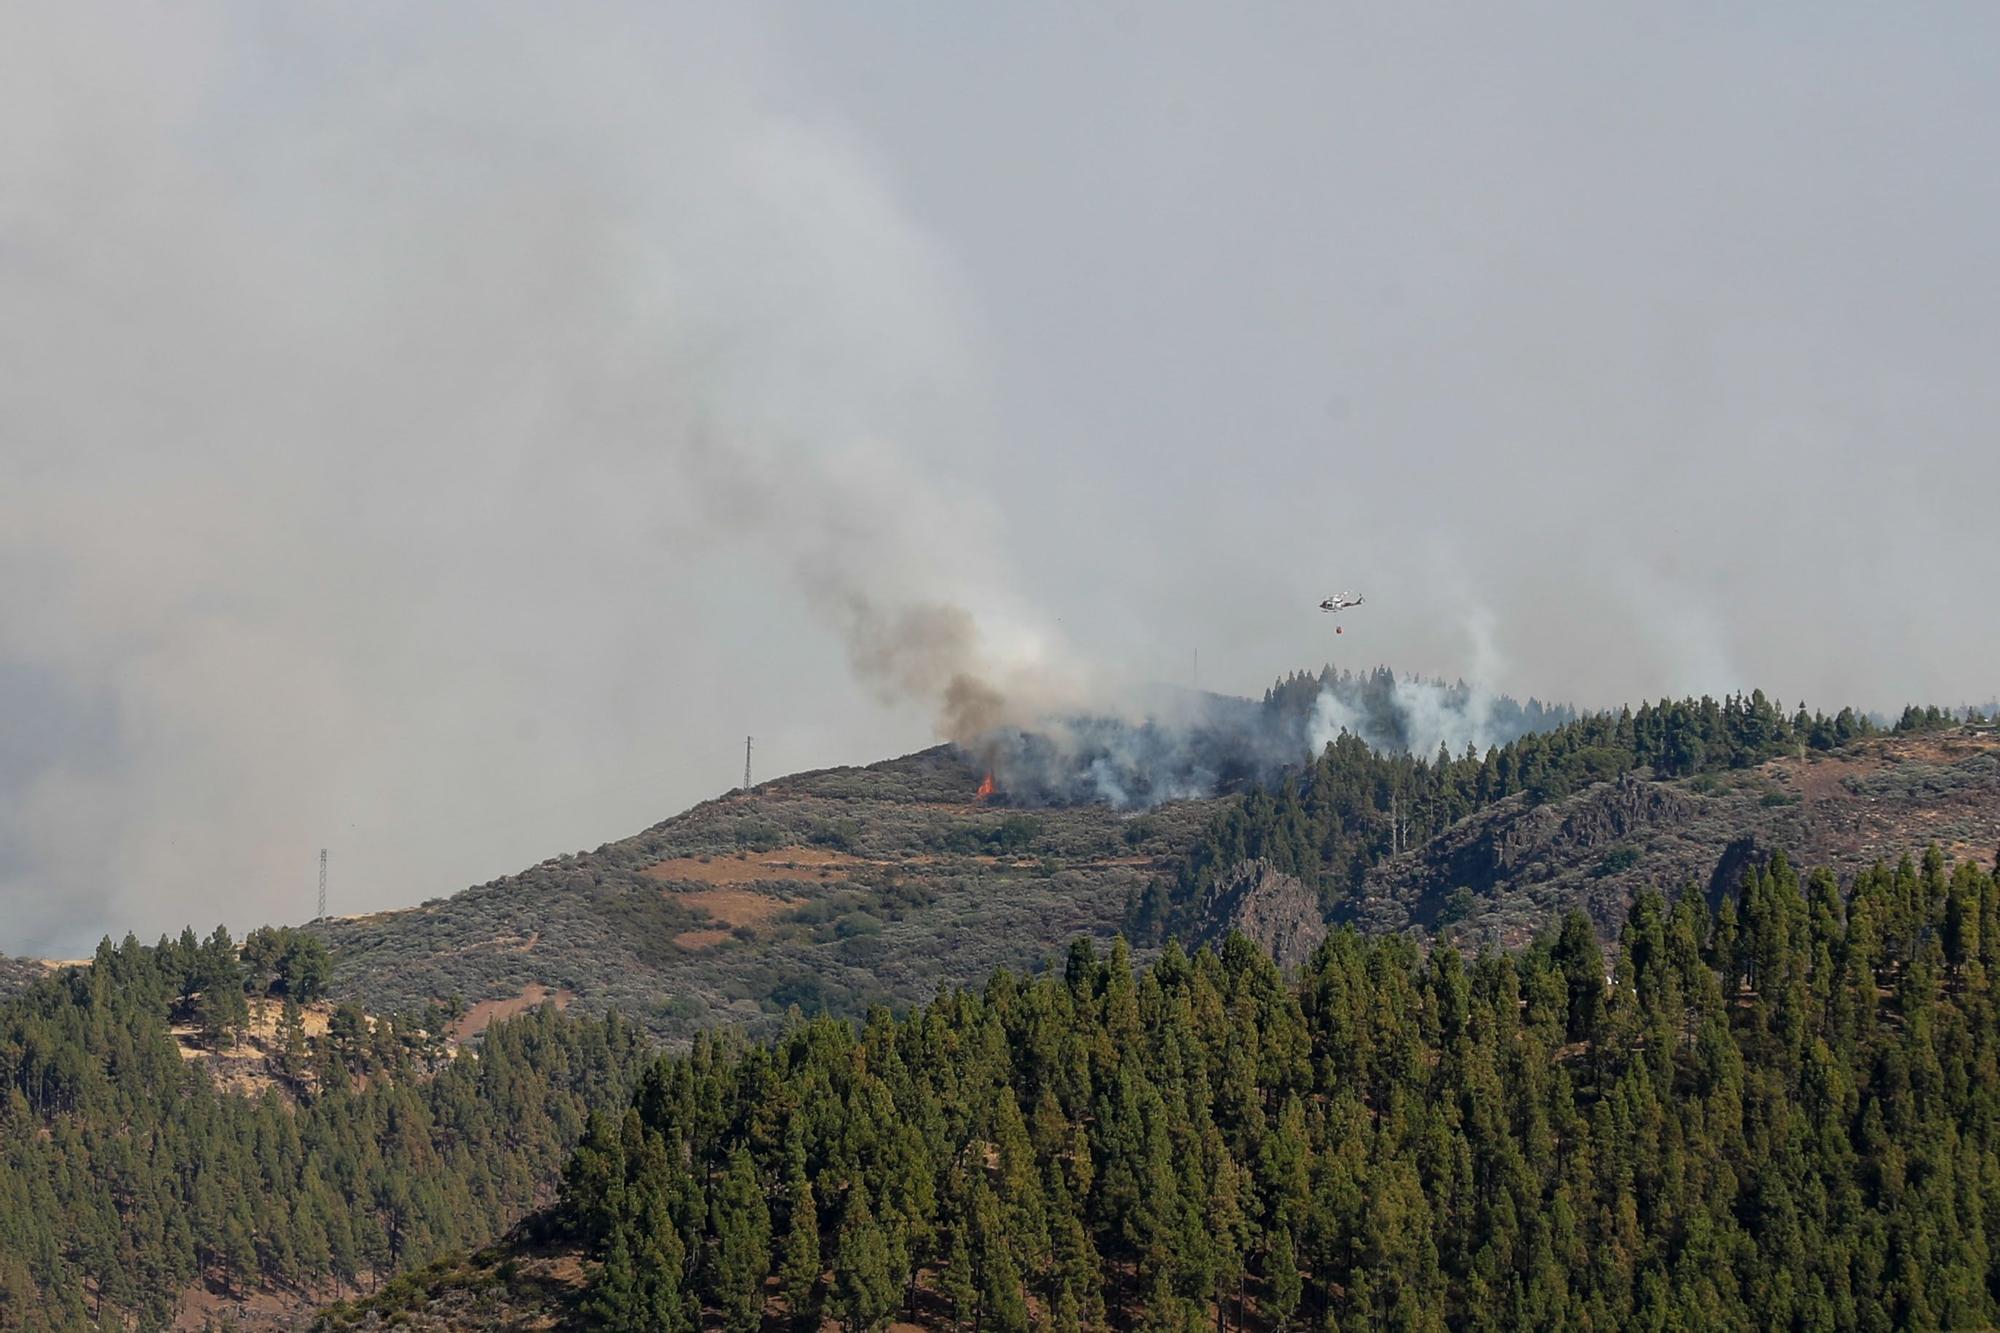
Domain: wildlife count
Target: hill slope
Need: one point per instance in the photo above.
(1876, 799)
(17, 974)
(829, 890)
(1777, 1116)
(839, 889)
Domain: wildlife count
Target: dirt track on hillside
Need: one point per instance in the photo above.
(806, 864)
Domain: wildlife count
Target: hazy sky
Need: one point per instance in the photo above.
(440, 435)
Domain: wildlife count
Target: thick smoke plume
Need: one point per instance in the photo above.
(454, 446)
(933, 654)
(441, 434)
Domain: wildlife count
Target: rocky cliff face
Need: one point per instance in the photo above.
(1483, 852)
(1274, 910)
(1527, 862)
(1514, 868)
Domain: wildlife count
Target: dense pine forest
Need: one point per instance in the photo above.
(127, 1177)
(1784, 1112)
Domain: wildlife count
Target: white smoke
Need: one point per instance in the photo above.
(1166, 745)
(1424, 716)
(1427, 715)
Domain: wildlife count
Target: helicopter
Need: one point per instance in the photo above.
(1340, 601)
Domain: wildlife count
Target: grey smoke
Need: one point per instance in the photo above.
(440, 435)
(452, 445)
(933, 653)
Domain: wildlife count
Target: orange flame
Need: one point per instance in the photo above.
(985, 788)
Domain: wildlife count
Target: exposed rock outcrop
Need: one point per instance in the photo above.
(1274, 910)
(1507, 846)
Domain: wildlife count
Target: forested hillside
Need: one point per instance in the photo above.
(850, 887)
(133, 1189)
(839, 889)
(206, 1126)
(1353, 807)
(1501, 874)
(1782, 1114)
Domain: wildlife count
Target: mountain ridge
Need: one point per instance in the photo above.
(841, 888)
(1877, 798)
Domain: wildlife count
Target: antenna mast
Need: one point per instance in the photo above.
(746, 763)
(322, 882)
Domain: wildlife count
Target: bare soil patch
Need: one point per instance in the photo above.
(488, 1012)
(813, 864)
(203, 1307)
(245, 1067)
(266, 1014)
(241, 1069)
(696, 940)
(1825, 778)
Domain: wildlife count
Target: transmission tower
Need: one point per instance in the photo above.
(746, 763)
(322, 882)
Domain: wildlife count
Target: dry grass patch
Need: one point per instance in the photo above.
(205, 1307)
(245, 1067)
(813, 864)
(1823, 776)
(733, 907)
(265, 1015)
(1942, 747)
(1826, 779)
(696, 940)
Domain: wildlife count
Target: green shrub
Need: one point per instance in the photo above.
(758, 836)
(1457, 907)
(857, 923)
(1616, 860)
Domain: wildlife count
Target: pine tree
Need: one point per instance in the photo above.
(1002, 1303)
(615, 1301)
(1582, 963)
(659, 1255)
(742, 1228)
(864, 1284)
(1282, 1278)
(958, 1283)
(798, 1262)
